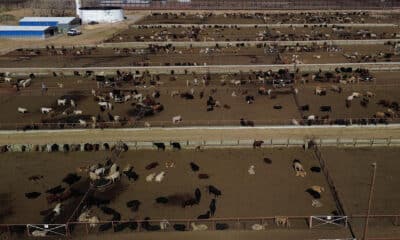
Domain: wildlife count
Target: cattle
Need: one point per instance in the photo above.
(325, 109)
(204, 216)
(197, 194)
(305, 108)
(214, 190)
(45, 110)
(133, 205)
(61, 102)
(320, 91)
(221, 226)
(282, 221)
(313, 193)
(151, 165)
(257, 144)
(159, 145)
(159, 177)
(194, 167)
(249, 99)
(32, 195)
(213, 207)
(176, 146)
(251, 170)
(22, 110)
(189, 202)
(130, 174)
(162, 200)
(299, 169)
(179, 227)
(177, 119)
(203, 176)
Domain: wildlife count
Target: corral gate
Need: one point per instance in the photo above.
(50, 229)
(318, 221)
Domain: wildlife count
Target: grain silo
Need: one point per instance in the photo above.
(106, 14)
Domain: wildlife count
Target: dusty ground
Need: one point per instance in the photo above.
(107, 57)
(351, 170)
(262, 111)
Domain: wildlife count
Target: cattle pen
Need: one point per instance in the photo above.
(336, 223)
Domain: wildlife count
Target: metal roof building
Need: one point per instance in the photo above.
(39, 32)
(62, 23)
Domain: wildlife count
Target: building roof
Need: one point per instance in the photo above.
(23, 28)
(60, 20)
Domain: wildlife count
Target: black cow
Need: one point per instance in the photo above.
(214, 190)
(32, 195)
(194, 167)
(305, 108)
(221, 226)
(204, 216)
(160, 146)
(189, 202)
(325, 109)
(197, 195)
(313, 193)
(176, 146)
(133, 205)
(162, 200)
(257, 144)
(213, 207)
(179, 227)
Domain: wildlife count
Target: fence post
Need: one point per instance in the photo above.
(309, 222)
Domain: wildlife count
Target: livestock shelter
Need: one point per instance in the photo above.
(63, 24)
(38, 32)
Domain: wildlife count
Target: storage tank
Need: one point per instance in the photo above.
(101, 14)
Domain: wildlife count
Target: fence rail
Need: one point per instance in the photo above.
(72, 228)
(376, 66)
(194, 144)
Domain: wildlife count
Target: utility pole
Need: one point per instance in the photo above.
(369, 201)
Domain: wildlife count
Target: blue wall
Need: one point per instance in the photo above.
(51, 23)
(21, 34)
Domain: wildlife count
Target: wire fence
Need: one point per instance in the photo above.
(291, 223)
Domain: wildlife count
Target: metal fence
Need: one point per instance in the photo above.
(340, 122)
(75, 229)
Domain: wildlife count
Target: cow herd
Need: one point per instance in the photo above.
(263, 17)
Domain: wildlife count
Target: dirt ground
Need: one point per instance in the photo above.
(252, 34)
(107, 57)
(351, 170)
(215, 18)
(262, 111)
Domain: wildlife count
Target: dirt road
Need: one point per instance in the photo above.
(194, 134)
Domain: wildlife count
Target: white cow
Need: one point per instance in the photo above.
(61, 102)
(106, 105)
(114, 177)
(177, 119)
(22, 110)
(160, 176)
(198, 227)
(82, 123)
(39, 233)
(45, 110)
(150, 177)
(77, 112)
